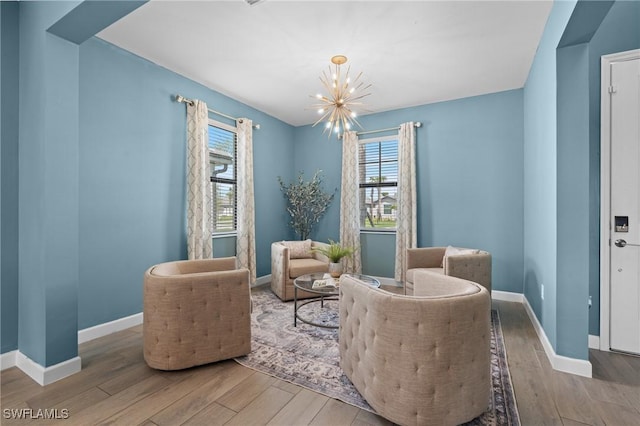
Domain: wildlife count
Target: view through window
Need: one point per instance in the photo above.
(222, 161)
(378, 183)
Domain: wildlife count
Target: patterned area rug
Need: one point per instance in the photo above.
(308, 356)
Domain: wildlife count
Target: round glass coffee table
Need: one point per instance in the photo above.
(331, 292)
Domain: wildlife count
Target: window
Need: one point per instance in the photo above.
(378, 183)
(222, 161)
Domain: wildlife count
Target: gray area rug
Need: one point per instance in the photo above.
(308, 356)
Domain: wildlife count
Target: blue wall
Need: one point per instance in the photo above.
(9, 104)
(469, 174)
(48, 200)
(573, 201)
(540, 173)
(132, 176)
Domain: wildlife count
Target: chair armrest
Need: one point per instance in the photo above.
(425, 257)
(319, 256)
(279, 263)
(182, 267)
(472, 267)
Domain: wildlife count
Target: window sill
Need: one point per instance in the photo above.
(224, 234)
(378, 231)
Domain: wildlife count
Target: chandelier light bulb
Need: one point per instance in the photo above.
(343, 95)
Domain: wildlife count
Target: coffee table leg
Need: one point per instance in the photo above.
(295, 306)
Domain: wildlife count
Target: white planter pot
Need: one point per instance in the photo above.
(335, 269)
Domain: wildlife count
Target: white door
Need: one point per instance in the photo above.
(625, 206)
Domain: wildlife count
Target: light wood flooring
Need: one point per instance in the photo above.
(116, 387)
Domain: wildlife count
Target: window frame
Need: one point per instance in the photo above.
(365, 185)
(233, 181)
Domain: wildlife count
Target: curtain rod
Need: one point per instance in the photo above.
(416, 124)
(180, 98)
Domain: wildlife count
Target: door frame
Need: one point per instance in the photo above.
(605, 190)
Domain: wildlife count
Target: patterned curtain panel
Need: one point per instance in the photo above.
(246, 232)
(350, 202)
(406, 225)
(199, 214)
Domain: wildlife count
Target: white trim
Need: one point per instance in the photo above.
(558, 362)
(8, 360)
(605, 189)
(110, 327)
(507, 296)
(594, 342)
(265, 279)
(47, 375)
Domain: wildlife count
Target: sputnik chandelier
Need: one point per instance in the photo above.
(337, 109)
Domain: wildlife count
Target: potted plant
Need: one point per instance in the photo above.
(335, 252)
(307, 202)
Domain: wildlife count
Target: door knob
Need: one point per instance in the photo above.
(622, 243)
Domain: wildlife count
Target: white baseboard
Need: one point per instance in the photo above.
(507, 296)
(8, 360)
(110, 327)
(594, 342)
(47, 375)
(579, 367)
(265, 279)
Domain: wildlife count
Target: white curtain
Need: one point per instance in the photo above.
(246, 232)
(406, 225)
(350, 202)
(199, 214)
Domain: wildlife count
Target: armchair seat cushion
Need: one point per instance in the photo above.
(298, 267)
(411, 272)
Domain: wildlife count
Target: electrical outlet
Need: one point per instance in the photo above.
(542, 291)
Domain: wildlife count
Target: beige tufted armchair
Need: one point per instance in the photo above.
(468, 264)
(196, 312)
(291, 259)
(418, 360)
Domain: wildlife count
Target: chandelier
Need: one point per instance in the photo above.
(337, 109)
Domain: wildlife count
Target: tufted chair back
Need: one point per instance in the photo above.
(418, 360)
(195, 312)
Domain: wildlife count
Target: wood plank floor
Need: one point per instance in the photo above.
(116, 387)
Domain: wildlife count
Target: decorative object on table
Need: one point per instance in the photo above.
(287, 352)
(306, 202)
(338, 108)
(335, 252)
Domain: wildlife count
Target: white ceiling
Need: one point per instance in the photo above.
(270, 55)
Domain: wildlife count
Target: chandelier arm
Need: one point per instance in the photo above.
(359, 97)
(321, 118)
